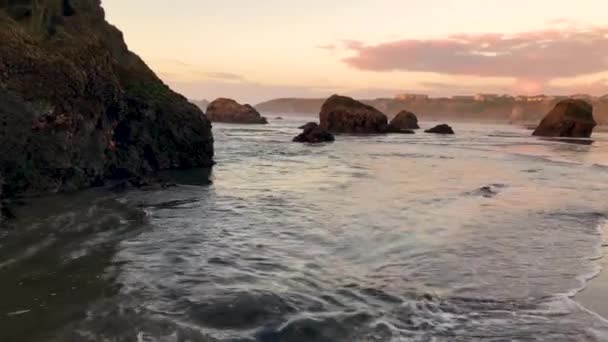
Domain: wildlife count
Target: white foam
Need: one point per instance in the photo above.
(587, 278)
(18, 313)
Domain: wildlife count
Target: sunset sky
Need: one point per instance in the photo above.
(256, 50)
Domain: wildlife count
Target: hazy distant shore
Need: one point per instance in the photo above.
(494, 110)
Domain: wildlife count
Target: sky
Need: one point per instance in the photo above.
(257, 50)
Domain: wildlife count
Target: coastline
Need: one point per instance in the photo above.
(595, 296)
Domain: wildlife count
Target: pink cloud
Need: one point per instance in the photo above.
(537, 55)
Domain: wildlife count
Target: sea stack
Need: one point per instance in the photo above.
(569, 119)
(313, 133)
(229, 111)
(341, 114)
(403, 122)
(78, 108)
(441, 129)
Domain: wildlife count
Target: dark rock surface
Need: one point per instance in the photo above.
(78, 108)
(341, 114)
(570, 118)
(488, 191)
(230, 111)
(313, 133)
(441, 129)
(1, 204)
(400, 131)
(403, 122)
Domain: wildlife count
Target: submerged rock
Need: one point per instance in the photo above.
(404, 122)
(230, 111)
(486, 191)
(313, 133)
(341, 114)
(570, 118)
(441, 129)
(78, 108)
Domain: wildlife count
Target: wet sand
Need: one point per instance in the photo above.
(595, 296)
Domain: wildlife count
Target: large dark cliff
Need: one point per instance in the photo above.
(78, 108)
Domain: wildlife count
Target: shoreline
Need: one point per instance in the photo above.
(594, 297)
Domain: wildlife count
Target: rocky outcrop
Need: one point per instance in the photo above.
(230, 111)
(341, 114)
(441, 129)
(313, 133)
(403, 122)
(78, 108)
(570, 118)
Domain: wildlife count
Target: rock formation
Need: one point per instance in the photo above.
(403, 122)
(570, 118)
(505, 109)
(341, 114)
(77, 107)
(313, 133)
(230, 111)
(441, 129)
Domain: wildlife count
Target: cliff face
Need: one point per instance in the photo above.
(77, 107)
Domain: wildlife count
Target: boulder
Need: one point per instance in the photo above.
(569, 118)
(313, 133)
(341, 114)
(230, 111)
(404, 122)
(77, 107)
(309, 125)
(441, 129)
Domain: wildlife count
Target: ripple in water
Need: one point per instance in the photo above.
(486, 236)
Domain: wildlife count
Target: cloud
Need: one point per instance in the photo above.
(226, 76)
(595, 87)
(538, 55)
(179, 70)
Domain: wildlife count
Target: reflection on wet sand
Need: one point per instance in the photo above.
(55, 261)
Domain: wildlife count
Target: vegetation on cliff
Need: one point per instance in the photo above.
(77, 107)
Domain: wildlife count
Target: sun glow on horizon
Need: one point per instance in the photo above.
(263, 50)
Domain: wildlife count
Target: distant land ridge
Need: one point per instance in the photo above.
(480, 107)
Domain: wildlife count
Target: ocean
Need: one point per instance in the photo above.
(487, 235)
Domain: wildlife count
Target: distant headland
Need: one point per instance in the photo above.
(480, 107)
